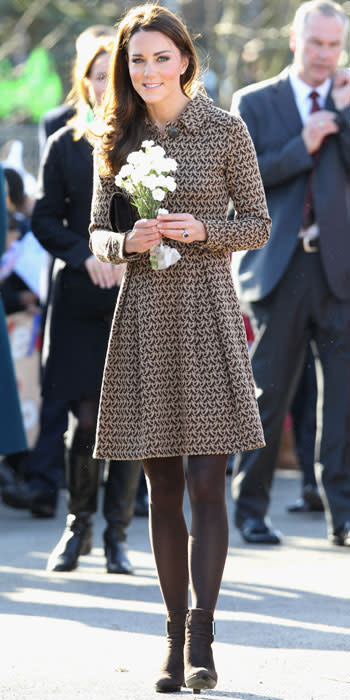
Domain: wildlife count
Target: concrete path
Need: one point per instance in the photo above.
(283, 618)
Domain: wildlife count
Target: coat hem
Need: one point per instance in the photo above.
(173, 453)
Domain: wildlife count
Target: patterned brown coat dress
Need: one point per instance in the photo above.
(177, 377)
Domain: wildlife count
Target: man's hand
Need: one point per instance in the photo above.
(319, 125)
(341, 88)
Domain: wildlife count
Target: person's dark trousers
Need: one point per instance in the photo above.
(141, 502)
(45, 464)
(301, 306)
(303, 411)
(119, 498)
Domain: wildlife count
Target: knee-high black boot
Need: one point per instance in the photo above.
(82, 484)
(118, 508)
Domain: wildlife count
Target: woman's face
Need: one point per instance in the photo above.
(155, 66)
(97, 80)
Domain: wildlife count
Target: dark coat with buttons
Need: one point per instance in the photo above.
(79, 314)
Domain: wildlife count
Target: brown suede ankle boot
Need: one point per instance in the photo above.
(200, 671)
(171, 676)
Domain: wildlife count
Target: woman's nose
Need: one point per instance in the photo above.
(148, 69)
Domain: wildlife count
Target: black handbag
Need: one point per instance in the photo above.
(122, 214)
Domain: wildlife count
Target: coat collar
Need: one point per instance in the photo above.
(192, 118)
(285, 103)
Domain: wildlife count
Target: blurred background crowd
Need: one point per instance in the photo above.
(239, 42)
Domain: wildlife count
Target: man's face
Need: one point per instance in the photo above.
(317, 47)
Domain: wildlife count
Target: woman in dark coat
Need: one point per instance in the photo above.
(82, 301)
(12, 435)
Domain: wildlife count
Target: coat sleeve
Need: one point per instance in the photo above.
(251, 225)
(49, 213)
(343, 137)
(107, 245)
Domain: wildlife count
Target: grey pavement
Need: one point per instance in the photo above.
(283, 616)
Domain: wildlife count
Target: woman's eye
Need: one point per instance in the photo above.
(159, 59)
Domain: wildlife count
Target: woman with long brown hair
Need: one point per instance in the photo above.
(78, 321)
(177, 378)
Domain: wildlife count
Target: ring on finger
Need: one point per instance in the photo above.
(185, 233)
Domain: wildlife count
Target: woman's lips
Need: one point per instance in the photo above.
(151, 86)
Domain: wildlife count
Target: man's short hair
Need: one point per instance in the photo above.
(325, 7)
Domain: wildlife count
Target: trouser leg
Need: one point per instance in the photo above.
(281, 334)
(332, 340)
(303, 410)
(45, 463)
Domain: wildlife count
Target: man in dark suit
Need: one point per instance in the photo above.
(298, 286)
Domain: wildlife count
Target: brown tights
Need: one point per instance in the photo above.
(200, 555)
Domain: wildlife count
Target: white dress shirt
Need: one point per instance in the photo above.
(302, 91)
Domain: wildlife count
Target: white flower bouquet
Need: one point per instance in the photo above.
(145, 177)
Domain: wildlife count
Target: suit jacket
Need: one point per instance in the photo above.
(271, 114)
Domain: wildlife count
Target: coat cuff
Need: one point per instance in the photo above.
(228, 236)
(109, 247)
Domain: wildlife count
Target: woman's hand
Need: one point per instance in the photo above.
(181, 227)
(144, 236)
(102, 274)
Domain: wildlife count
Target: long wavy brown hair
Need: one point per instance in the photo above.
(124, 111)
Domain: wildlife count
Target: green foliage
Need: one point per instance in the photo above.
(240, 41)
(30, 89)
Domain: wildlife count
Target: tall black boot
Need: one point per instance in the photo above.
(118, 508)
(82, 483)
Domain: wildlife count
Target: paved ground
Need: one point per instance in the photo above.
(283, 618)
